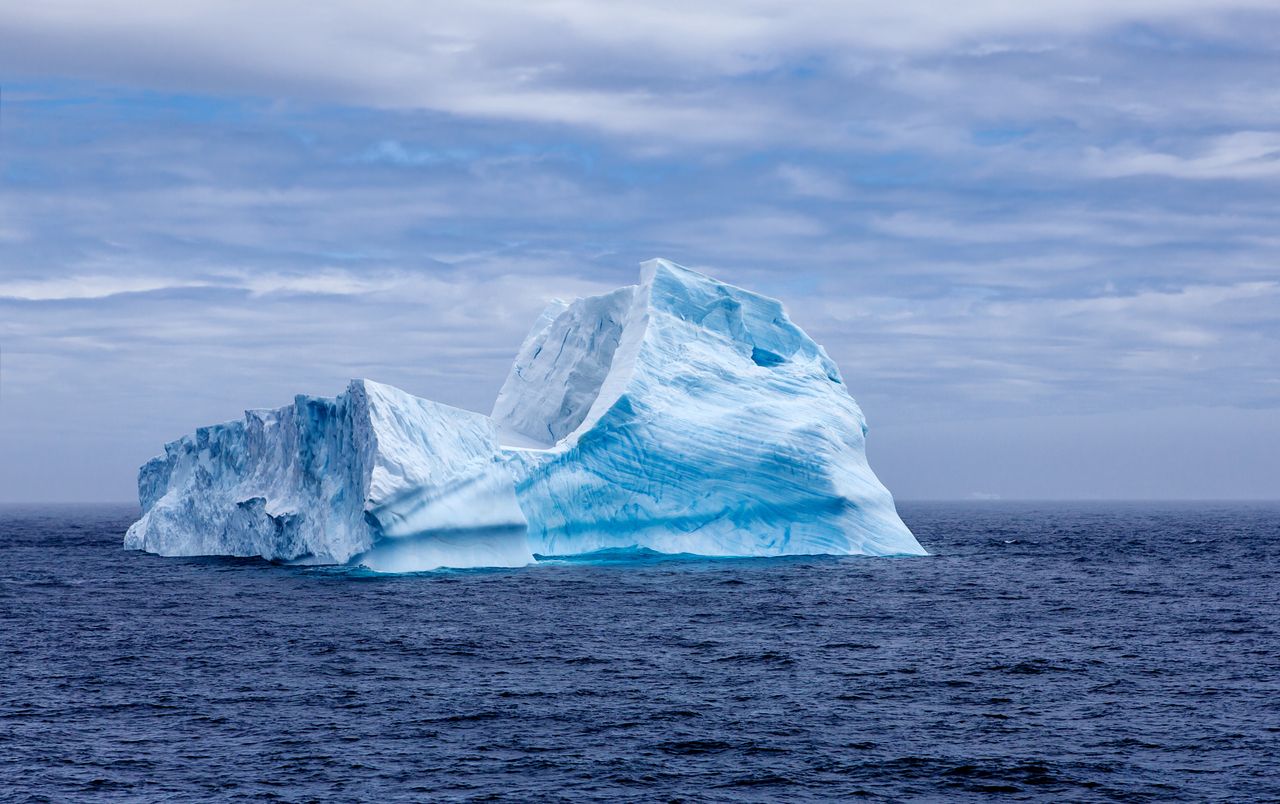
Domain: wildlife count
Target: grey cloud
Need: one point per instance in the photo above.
(642, 69)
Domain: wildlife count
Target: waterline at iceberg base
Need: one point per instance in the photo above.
(679, 415)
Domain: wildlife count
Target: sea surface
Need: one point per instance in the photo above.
(1045, 652)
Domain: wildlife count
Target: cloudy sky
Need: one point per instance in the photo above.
(1041, 239)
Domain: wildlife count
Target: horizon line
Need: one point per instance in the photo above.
(908, 500)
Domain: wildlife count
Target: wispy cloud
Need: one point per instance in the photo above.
(87, 287)
(1241, 155)
(811, 182)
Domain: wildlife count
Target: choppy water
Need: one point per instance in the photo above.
(1046, 652)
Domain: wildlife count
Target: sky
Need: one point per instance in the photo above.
(1040, 239)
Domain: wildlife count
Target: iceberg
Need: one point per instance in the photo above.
(374, 476)
(678, 415)
(684, 415)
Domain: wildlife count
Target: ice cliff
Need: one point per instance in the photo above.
(682, 415)
(373, 475)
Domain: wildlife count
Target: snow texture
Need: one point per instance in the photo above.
(681, 415)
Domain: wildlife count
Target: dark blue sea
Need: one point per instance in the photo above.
(1045, 652)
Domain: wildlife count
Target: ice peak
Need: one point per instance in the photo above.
(649, 269)
(662, 281)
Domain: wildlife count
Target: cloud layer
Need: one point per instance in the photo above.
(1056, 212)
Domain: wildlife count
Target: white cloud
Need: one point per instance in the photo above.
(432, 290)
(803, 181)
(917, 226)
(1241, 155)
(87, 287)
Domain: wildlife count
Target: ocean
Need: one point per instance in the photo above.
(1045, 652)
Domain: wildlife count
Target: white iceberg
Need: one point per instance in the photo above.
(373, 475)
(685, 415)
(681, 415)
